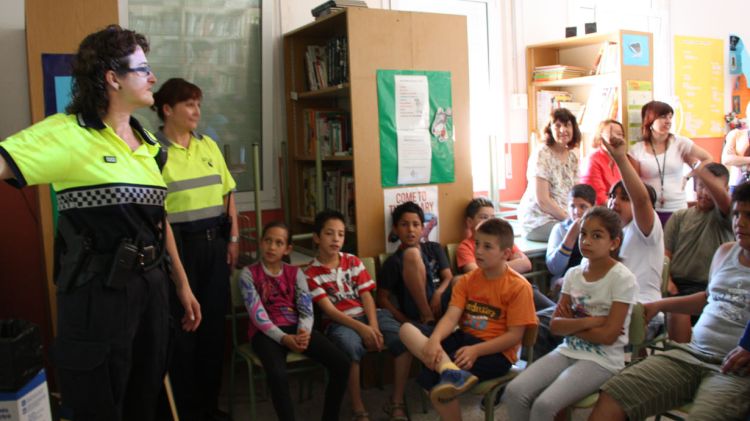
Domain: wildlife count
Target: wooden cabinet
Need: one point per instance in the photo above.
(584, 51)
(376, 39)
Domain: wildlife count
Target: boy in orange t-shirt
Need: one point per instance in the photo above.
(492, 307)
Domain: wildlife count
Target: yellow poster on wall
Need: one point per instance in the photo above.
(699, 85)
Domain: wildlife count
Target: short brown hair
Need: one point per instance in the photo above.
(649, 113)
(562, 115)
(597, 141)
(500, 229)
(173, 91)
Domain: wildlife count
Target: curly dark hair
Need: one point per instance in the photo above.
(563, 115)
(98, 53)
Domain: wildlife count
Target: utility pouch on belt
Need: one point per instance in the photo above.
(123, 262)
(73, 250)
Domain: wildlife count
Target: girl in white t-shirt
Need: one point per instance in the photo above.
(661, 157)
(593, 314)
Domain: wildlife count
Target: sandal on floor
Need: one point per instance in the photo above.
(360, 415)
(390, 407)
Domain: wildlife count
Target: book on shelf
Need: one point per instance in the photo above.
(326, 65)
(546, 101)
(602, 104)
(607, 59)
(347, 200)
(338, 193)
(330, 6)
(558, 72)
(308, 204)
(327, 129)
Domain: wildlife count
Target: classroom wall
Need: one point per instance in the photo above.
(685, 17)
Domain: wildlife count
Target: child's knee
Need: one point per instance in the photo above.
(412, 257)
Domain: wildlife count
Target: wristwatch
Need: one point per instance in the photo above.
(234, 239)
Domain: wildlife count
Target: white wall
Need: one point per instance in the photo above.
(15, 113)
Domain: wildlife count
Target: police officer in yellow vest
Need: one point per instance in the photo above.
(111, 275)
(202, 213)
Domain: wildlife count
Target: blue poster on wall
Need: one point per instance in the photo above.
(635, 50)
(57, 73)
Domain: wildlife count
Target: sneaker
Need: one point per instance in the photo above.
(452, 383)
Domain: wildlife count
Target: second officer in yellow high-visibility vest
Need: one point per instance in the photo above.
(202, 212)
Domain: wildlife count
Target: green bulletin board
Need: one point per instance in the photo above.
(442, 160)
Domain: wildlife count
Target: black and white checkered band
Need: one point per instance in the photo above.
(110, 195)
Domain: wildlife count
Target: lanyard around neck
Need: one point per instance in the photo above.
(661, 167)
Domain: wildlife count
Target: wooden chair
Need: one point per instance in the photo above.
(636, 336)
(242, 351)
(490, 388)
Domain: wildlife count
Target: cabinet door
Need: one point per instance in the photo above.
(217, 46)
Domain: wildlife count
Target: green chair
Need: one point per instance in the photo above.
(636, 336)
(659, 342)
(490, 388)
(242, 351)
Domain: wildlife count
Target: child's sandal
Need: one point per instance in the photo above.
(360, 415)
(390, 407)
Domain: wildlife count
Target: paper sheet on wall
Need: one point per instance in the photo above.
(412, 124)
(414, 156)
(699, 84)
(639, 92)
(426, 197)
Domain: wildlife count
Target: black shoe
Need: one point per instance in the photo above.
(498, 397)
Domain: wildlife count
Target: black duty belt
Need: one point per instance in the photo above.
(208, 234)
(147, 257)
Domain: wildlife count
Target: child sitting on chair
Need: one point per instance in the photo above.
(418, 273)
(593, 314)
(691, 238)
(340, 286)
(479, 210)
(562, 249)
(492, 306)
(281, 319)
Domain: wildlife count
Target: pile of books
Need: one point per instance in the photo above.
(558, 71)
(547, 101)
(332, 6)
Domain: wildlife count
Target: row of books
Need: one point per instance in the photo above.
(331, 6)
(327, 64)
(546, 101)
(558, 71)
(328, 129)
(338, 193)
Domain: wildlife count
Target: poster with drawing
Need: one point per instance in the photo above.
(426, 197)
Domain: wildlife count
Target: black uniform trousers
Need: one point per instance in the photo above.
(195, 369)
(111, 347)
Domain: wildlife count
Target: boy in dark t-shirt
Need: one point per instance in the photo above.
(417, 274)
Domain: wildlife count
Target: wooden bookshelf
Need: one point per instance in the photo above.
(376, 39)
(582, 51)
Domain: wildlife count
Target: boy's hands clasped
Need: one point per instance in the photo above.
(371, 336)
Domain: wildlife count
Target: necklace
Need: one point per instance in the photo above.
(662, 169)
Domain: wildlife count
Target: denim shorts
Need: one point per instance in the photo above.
(351, 343)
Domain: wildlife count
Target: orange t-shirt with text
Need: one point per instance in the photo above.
(490, 306)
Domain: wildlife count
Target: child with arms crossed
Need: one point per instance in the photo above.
(594, 315)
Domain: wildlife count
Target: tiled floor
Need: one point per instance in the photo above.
(310, 409)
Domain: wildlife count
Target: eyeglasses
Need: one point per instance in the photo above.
(143, 71)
